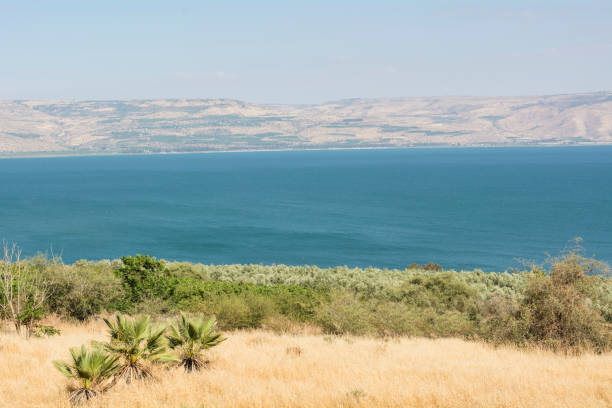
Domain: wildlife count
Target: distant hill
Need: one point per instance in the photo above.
(175, 125)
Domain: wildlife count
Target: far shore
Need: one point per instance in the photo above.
(45, 155)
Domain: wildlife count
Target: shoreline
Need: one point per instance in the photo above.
(43, 155)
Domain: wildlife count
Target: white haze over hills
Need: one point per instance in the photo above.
(175, 125)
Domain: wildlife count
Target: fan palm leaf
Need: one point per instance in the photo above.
(137, 343)
(190, 338)
(90, 369)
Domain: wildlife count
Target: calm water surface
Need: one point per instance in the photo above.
(462, 208)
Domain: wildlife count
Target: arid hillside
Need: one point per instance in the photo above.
(150, 126)
(262, 369)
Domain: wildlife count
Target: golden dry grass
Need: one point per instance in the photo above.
(261, 369)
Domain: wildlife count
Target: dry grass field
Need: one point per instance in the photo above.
(262, 369)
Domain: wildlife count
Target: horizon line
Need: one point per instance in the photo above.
(79, 100)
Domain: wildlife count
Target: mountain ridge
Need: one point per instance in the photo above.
(173, 125)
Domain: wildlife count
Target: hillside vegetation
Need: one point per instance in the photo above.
(565, 305)
(288, 336)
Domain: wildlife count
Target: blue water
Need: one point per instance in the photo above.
(462, 208)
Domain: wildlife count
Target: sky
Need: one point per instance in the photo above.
(302, 51)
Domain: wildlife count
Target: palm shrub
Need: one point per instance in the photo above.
(91, 369)
(137, 343)
(190, 337)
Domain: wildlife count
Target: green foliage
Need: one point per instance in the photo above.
(365, 281)
(557, 311)
(241, 311)
(136, 342)
(343, 314)
(23, 289)
(565, 304)
(245, 305)
(30, 315)
(444, 291)
(143, 276)
(190, 338)
(91, 369)
(501, 322)
(347, 314)
(85, 289)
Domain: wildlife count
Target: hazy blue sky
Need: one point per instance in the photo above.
(302, 52)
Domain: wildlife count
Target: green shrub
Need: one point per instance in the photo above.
(143, 276)
(389, 319)
(557, 310)
(501, 322)
(85, 289)
(440, 291)
(241, 312)
(343, 314)
(231, 313)
(568, 307)
(294, 301)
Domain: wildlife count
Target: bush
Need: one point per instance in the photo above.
(501, 321)
(344, 314)
(440, 291)
(347, 314)
(84, 289)
(297, 302)
(557, 311)
(241, 312)
(143, 276)
(564, 305)
(390, 319)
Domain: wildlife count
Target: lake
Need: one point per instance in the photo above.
(463, 208)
